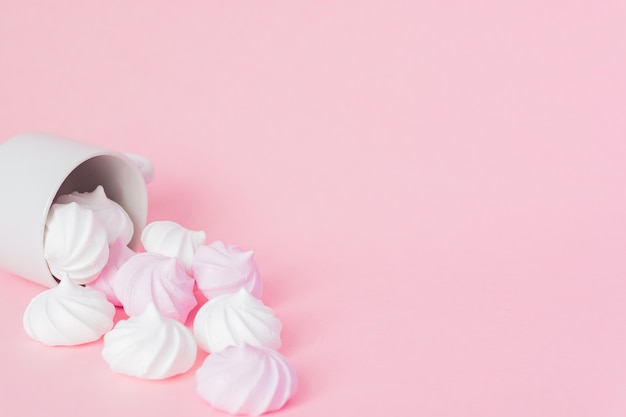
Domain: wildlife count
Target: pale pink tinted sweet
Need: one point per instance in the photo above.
(150, 277)
(221, 269)
(246, 379)
(119, 253)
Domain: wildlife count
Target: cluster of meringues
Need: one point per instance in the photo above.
(85, 246)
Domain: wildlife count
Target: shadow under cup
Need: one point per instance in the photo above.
(34, 169)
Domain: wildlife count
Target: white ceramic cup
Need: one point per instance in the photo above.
(37, 167)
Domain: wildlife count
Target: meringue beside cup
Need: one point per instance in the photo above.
(68, 314)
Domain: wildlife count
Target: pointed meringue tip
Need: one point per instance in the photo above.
(243, 292)
(65, 281)
(151, 310)
(99, 190)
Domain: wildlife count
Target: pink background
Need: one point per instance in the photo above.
(434, 191)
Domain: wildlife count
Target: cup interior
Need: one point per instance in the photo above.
(121, 181)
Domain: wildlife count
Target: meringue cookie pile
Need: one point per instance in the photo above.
(85, 246)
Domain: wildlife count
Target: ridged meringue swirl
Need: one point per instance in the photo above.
(150, 277)
(171, 239)
(119, 253)
(75, 243)
(150, 346)
(246, 380)
(109, 213)
(222, 269)
(235, 319)
(68, 314)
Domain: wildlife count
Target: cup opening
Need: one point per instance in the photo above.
(121, 181)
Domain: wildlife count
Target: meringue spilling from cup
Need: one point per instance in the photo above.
(85, 247)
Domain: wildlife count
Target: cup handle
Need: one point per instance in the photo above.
(144, 165)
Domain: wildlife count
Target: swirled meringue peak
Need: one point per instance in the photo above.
(246, 380)
(75, 243)
(235, 319)
(150, 346)
(110, 214)
(171, 239)
(68, 314)
(150, 277)
(119, 253)
(222, 269)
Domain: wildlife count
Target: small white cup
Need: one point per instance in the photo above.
(37, 167)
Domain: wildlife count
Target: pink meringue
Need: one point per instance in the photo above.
(119, 253)
(222, 269)
(246, 380)
(150, 277)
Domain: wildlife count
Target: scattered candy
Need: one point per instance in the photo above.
(75, 243)
(162, 280)
(235, 319)
(68, 314)
(85, 242)
(171, 239)
(246, 380)
(150, 346)
(219, 269)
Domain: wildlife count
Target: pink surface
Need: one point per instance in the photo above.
(434, 191)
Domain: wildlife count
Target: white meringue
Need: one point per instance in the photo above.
(150, 346)
(109, 213)
(171, 239)
(150, 277)
(68, 314)
(220, 269)
(75, 243)
(234, 319)
(119, 253)
(246, 380)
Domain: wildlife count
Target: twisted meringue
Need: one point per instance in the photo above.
(150, 277)
(234, 319)
(219, 269)
(246, 380)
(171, 239)
(110, 214)
(75, 243)
(68, 314)
(150, 346)
(119, 253)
